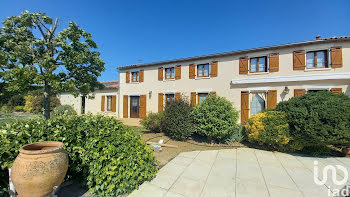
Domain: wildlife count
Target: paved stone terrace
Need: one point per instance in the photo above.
(242, 172)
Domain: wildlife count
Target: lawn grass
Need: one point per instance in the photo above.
(10, 117)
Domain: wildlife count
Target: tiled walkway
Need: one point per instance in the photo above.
(242, 172)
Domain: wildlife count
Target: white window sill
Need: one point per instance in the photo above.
(134, 82)
(316, 69)
(258, 73)
(197, 78)
(168, 80)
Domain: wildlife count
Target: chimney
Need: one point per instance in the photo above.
(318, 37)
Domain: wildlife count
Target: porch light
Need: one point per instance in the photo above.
(286, 90)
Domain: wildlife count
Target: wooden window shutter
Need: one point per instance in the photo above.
(114, 103)
(178, 72)
(125, 106)
(212, 93)
(299, 60)
(127, 78)
(243, 65)
(244, 106)
(103, 98)
(142, 106)
(160, 74)
(299, 92)
(192, 71)
(177, 96)
(193, 99)
(336, 90)
(141, 76)
(214, 69)
(160, 102)
(274, 62)
(271, 99)
(337, 57)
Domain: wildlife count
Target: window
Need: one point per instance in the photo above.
(170, 73)
(316, 59)
(169, 98)
(258, 64)
(258, 104)
(203, 70)
(109, 103)
(201, 97)
(135, 76)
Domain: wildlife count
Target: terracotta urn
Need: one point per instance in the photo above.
(346, 151)
(38, 168)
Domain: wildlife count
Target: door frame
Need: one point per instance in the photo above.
(135, 115)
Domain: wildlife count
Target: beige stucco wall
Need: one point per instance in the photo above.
(228, 69)
(92, 105)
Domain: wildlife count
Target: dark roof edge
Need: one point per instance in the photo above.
(333, 39)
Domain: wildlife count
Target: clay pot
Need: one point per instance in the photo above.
(346, 151)
(38, 168)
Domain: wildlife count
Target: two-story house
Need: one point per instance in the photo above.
(253, 79)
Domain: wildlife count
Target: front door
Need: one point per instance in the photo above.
(83, 104)
(134, 106)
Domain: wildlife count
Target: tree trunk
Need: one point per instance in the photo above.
(47, 94)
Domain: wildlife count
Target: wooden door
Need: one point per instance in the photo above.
(134, 106)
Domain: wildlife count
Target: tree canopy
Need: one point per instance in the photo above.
(33, 53)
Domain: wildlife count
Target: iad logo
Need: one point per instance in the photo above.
(333, 170)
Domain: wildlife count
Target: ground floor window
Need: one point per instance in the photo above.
(169, 98)
(109, 103)
(310, 91)
(201, 97)
(258, 103)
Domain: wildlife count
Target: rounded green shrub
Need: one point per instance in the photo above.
(320, 118)
(18, 108)
(177, 121)
(270, 128)
(153, 121)
(16, 100)
(38, 103)
(103, 153)
(6, 109)
(64, 110)
(215, 118)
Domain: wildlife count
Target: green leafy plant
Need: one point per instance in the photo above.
(64, 110)
(177, 122)
(215, 118)
(37, 103)
(16, 100)
(103, 153)
(6, 109)
(321, 118)
(238, 134)
(153, 121)
(18, 108)
(270, 128)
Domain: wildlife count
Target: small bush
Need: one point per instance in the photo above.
(153, 122)
(103, 153)
(238, 134)
(215, 118)
(6, 109)
(177, 121)
(321, 118)
(16, 100)
(64, 110)
(270, 128)
(28, 106)
(18, 109)
(38, 103)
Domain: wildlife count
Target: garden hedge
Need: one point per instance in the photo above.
(103, 153)
(321, 118)
(215, 118)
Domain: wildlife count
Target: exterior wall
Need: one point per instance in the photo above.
(92, 105)
(228, 69)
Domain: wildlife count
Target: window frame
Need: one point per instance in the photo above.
(165, 72)
(201, 93)
(257, 64)
(109, 107)
(166, 98)
(203, 70)
(251, 101)
(325, 51)
(137, 78)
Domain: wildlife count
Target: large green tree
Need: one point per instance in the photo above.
(32, 52)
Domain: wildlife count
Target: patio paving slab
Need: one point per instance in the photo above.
(242, 172)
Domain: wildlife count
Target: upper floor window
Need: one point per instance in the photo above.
(258, 64)
(316, 59)
(135, 76)
(170, 73)
(201, 97)
(203, 70)
(109, 103)
(169, 98)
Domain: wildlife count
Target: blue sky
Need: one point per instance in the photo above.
(131, 32)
